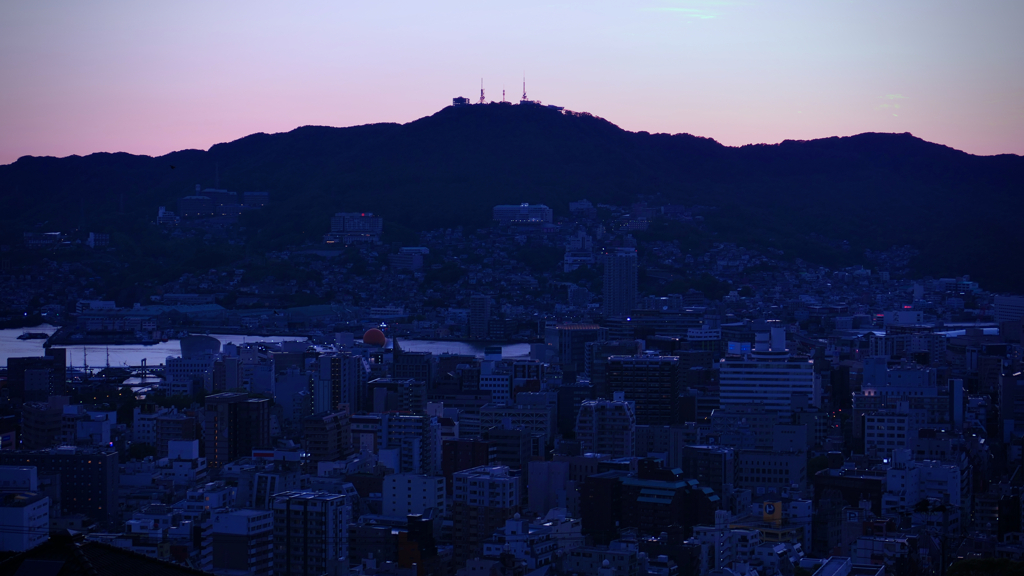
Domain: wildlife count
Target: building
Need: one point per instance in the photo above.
(34, 379)
(1009, 308)
(406, 494)
(462, 454)
(483, 499)
(24, 512)
(338, 379)
(619, 282)
(327, 437)
(355, 228)
(651, 383)
(408, 258)
(173, 426)
(768, 377)
(479, 315)
(537, 419)
(570, 343)
(41, 423)
(607, 427)
(311, 533)
(712, 466)
(235, 424)
(522, 214)
(88, 479)
(243, 540)
(763, 471)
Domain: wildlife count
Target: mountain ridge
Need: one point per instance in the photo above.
(873, 190)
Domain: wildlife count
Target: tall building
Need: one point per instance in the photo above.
(596, 361)
(327, 437)
(35, 379)
(88, 479)
(243, 541)
(235, 424)
(338, 379)
(607, 427)
(483, 498)
(767, 377)
(712, 466)
(651, 383)
(619, 282)
(570, 343)
(479, 315)
(311, 533)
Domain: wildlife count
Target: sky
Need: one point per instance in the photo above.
(154, 77)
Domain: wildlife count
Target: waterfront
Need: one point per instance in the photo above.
(134, 354)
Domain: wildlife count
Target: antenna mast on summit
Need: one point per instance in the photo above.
(481, 90)
(524, 88)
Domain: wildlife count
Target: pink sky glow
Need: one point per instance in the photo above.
(151, 78)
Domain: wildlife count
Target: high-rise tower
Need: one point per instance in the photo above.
(619, 281)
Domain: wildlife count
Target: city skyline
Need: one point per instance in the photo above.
(738, 72)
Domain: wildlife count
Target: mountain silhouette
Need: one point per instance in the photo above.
(873, 191)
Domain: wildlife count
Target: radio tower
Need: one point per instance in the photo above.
(524, 88)
(481, 90)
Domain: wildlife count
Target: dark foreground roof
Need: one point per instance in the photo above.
(65, 555)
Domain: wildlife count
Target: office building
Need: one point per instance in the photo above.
(243, 541)
(171, 427)
(619, 282)
(570, 343)
(479, 315)
(462, 454)
(235, 424)
(311, 533)
(35, 379)
(338, 378)
(327, 437)
(41, 423)
(712, 466)
(607, 427)
(768, 377)
(406, 494)
(1009, 308)
(88, 479)
(651, 383)
(483, 499)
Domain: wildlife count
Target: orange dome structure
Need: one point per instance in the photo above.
(374, 337)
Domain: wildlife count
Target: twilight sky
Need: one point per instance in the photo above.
(153, 77)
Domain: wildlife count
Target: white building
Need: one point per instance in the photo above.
(406, 494)
(1009, 308)
(490, 486)
(24, 513)
(768, 377)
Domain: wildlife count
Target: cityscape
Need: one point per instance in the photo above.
(498, 336)
(775, 417)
